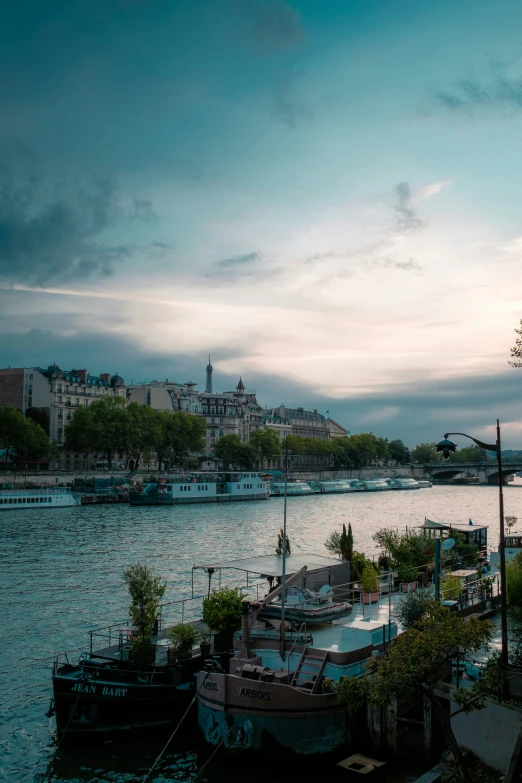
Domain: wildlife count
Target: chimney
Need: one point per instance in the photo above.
(83, 374)
(106, 376)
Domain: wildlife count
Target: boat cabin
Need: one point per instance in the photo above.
(473, 534)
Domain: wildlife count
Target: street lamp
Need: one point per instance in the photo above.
(447, 447)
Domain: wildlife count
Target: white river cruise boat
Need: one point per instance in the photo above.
(203, 488)
(37, 498)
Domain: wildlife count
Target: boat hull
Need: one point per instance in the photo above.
(92, 707)
(251, 715)
(138, 500)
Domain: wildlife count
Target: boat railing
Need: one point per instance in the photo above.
(38, 490)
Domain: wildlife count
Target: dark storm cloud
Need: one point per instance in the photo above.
(52, 231)
(496, 91)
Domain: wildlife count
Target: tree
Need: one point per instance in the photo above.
(265, 443)
(146, 591)
(416, 661)
(516, 351)
(182, 435)
(40, 416)
(333, 543)
(228, 449)
(22, 438)
(346, 543)
(279, 547)
(425, 453)
(103, 426)
(144, 432)
(399, 452)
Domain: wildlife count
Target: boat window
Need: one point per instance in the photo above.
(239, 486)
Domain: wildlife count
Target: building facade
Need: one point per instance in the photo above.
(59, 393)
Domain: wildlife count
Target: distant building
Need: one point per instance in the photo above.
(336, 430)
(58, 392)
(305, 424)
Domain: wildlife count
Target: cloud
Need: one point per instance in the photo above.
(249, 258)
(407, 219)
(287, 106)
(498, 90)
(276, 25)
(427, 191)
(53, 230)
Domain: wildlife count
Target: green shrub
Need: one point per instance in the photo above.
(450, 587)
(222, 609)
(413, 607)
(184, 636)
(370, 580)
(146, 591)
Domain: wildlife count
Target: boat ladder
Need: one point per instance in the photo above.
(309, 672)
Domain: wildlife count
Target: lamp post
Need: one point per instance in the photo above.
(447, 447)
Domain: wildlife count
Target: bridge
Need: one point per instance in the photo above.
(487, 472)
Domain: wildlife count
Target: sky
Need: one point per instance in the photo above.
(324, 196)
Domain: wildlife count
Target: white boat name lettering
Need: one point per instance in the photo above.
(114, 691)
(81, 688)
(250, 693)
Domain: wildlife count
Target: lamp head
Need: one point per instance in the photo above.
(447, 447)
(448, 543)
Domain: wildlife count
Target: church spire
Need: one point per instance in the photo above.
(241, 386)
(208, 387)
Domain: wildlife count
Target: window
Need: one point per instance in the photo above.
(30, 389)
(239, 486)
(59, 387)
(220, 433)
(60, 414)
(212, 420)
(31, 377)
(230, 411)
(212, 402)
(30, 401)
(204, 409)
(212, 433)
(212, 410)
(60, 398)
(221, 410)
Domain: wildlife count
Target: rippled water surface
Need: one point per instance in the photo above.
(61, 574)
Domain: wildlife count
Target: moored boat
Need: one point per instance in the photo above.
(203, 488)
(294, 488)
(53, 497)
(280, 689)
(107, 691)
(337, 486)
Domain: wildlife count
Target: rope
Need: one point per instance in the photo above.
(51, 760)
(158, 758)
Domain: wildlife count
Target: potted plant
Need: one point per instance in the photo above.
(222, 613)
(204, 644)
(146, 591)
(184, 637)
(407, 578)
(370, 584)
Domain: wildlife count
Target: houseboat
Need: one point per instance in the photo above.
(107, 692)
(277, 488)
(337, 486)
(375, 485)
(280, 688)
(56, 497)
(404, 483)
(203, 488)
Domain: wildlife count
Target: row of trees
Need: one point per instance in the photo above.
(140, 432)
(426, 453)
(22, 439)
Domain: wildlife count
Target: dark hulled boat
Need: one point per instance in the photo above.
(108, 691)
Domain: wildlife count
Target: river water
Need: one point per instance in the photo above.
(61, 574)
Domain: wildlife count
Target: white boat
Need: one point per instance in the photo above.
(375, 485)
(407, 483)
(203, 488)
(338, 485)
(293, 488)
(423, 483)
(37, 498)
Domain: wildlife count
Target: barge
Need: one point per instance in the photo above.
(203, 488)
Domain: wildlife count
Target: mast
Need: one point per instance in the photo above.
(283, 575)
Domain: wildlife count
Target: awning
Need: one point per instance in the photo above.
(458, 526)
(272, 565)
